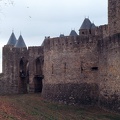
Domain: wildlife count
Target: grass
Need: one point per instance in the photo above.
(33, 107)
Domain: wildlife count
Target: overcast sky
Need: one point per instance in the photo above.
(36, 19)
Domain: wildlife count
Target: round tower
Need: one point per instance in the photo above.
(114, 16)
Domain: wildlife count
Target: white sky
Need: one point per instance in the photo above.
(36, 19)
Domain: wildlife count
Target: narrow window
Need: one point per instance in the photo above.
(82, 32)
(64, 67)
(89, 31)
(81, 67)
(52, 68)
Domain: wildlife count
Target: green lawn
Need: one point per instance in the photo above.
(33, 107)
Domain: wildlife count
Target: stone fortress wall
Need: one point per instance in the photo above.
(75, 69)
(71, 70)
(83, 70)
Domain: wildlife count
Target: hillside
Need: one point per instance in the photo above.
(33, 107)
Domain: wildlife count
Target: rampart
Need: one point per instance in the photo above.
(83, 70)
(70, 69)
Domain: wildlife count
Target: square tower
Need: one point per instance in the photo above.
(114, 16)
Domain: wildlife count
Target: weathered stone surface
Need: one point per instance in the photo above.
(84, 93)
(114, 16)
(82, 69)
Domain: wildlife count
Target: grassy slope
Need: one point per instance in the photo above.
(33, 107)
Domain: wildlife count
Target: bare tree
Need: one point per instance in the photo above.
(6, 2)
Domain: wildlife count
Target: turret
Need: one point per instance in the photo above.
(20, 42)
(73, 33)
(12, 40)
(87, 27)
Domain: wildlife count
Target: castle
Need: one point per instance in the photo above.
(75, 69)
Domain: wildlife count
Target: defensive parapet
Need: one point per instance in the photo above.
(102, 31)
(69, 42)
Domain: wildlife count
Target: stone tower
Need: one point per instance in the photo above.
(114, 16)
(15, 59)
(87, 27)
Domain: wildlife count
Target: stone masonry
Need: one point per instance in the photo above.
(114, 16)
(79, 69)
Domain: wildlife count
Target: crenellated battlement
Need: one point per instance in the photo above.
(35, 49)
(11, 48)
(102, 31)
(78, 42)
(69, 42)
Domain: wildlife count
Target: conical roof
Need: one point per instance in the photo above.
(86, 24)
(12, 40)
(61, 35)
(73, 33)
(93, 26)
(20, 42)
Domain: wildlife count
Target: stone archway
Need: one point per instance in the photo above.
(38, 78)
(22, 76)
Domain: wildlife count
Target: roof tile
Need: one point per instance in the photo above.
(20, 43)
(12, 40)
